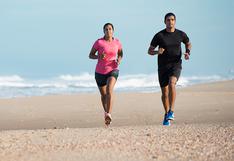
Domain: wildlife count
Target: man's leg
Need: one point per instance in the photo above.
(164, 84)
(172, 92)
(165, 98)
(165, 101)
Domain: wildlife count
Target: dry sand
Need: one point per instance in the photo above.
(203, 129)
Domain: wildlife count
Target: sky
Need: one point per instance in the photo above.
(41, 38)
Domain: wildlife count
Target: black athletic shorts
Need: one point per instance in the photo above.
(101, 79)
(166, 72)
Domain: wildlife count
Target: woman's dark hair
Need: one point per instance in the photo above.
(107, 25)
(168, 15)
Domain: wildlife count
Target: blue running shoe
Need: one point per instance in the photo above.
(170, 115)
(166, 122)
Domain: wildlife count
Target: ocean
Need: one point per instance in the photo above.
(16, 86)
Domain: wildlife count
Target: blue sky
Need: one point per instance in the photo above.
(41, 38)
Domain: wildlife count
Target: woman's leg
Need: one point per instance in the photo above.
(102, 91)
(109, 93)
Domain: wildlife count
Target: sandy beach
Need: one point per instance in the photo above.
(71, 127)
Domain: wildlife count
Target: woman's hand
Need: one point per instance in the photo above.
(102, 56)
(118, 61)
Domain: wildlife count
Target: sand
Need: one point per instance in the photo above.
(71, 127)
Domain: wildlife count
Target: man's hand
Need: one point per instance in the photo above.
(186, 56)
(160, 51)
(187, 50)
(151, 51)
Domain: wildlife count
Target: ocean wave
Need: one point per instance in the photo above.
(138, 80)
(82, 77)
(17, 86)
(12, 78)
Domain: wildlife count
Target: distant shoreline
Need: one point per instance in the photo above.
(18, 87)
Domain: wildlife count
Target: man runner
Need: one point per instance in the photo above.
(169, 62)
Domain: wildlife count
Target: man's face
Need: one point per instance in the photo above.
(170, 22)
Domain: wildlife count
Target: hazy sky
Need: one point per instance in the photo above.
(41, 38)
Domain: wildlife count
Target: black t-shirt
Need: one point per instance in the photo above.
(171, 42)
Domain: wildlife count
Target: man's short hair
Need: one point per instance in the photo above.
(168, 15)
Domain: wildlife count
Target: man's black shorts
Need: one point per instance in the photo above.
(101, 79)
(166, 72)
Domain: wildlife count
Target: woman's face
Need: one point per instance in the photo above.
(108, 31)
